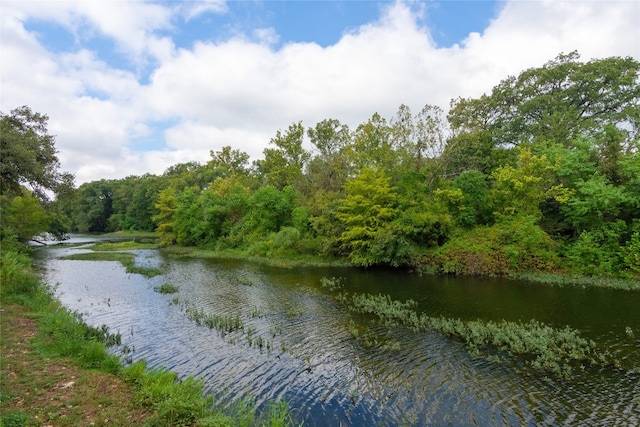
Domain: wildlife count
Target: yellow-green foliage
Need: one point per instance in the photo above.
(513, 245)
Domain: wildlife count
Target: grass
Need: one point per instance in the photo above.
(584, 281)
(289, 262)
(56, 370)
(222, 323)
(123, 245)
(125, 258)
(167, 288)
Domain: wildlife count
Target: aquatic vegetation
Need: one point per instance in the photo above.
(332, 283)
(541, 347)
(390, 313)
(627, 284)
(629, 332)
(256, 313)
(222, 323)
(124, 245)
(125, 258)
(166, 288)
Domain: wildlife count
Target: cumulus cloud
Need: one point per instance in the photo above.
(241, 90)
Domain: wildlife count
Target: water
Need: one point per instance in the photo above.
(310, 358)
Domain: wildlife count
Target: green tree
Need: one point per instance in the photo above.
(23, 216)
(368, 208)
(559, 101)
(519, 191)
(228, 161)
(284, 164)
(372, 146)
(93, 206)
(165, 217)
(329, 169)
(29, 155)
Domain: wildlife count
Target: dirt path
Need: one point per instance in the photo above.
(37, 391)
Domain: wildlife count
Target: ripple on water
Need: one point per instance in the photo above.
(316, 363)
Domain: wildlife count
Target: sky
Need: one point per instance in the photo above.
(133, 86)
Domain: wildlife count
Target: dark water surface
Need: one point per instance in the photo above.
(310, 358)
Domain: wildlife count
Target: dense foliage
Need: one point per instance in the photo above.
(29, 175)
(542, 174)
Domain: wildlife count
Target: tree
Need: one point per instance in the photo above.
(166, 206)
(94, 206)
(368, 208)
(284, 164)
(23, 216)
(228, 161)
(28, 155)
(329, 169)
(372, 146)
(559, 101)
(518, 191)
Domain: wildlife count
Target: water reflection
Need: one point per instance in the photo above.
(313, 360)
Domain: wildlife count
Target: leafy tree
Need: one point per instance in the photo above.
(229, 162)
(421, 136)
(520, 190)
(468, 199)
(284, 164)
(595, 203)
(23, 216)
(270, 209)
(94, 206)
(188, 218)
(28, 155)
(165, 218)
(559, 101)
(369, 207)
(329, 169)
(473, 150)
(373, 147)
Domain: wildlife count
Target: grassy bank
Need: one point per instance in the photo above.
(56, 370)
(146, 240)
(287, 262)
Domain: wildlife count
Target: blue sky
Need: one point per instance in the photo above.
(135, 86)
(302, 21)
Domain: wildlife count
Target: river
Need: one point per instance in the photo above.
(298, 341)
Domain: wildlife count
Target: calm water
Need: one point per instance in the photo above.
(328, 376)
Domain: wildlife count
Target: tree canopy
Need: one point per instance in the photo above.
(542, 173)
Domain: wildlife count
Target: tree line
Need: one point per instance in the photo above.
(540, 174)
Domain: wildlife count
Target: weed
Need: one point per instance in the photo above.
(166, 288)
(14, 419)
(222, 323)
(542, 347)
(333, 283)
(126, 259)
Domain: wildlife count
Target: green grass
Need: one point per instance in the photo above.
(289, 262)
(166, 288)
(123, 245)
(125, 258)
(576, 280)
(62, 333)
(222, 323)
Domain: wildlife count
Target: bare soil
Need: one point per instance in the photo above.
(39, 391)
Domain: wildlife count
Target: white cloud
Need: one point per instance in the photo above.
(239, 92)
(194, 8)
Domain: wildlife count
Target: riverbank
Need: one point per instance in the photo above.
(56, 370)
(143, 240)
(38, 390)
